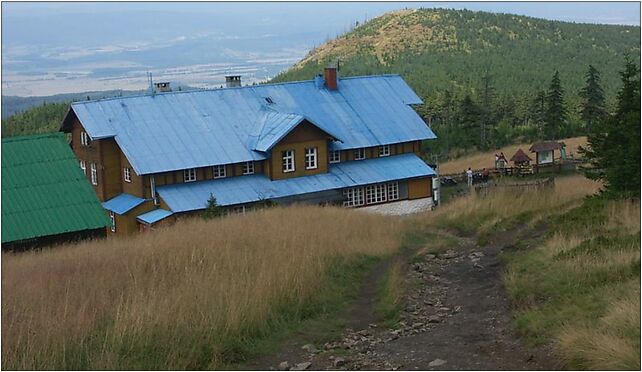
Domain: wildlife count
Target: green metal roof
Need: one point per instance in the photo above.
(44, 192)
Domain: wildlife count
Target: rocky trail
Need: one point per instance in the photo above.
(455, 317)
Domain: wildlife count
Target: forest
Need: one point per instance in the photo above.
(487, 79)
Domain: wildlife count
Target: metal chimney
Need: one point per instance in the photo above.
(233, 81)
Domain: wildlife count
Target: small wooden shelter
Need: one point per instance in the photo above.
(520, 158)
(545, 151)
(522, 163)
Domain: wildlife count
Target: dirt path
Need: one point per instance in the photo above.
(456, 317)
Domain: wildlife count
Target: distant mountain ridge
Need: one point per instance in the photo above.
(438, 49)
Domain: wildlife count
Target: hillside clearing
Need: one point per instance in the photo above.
(194, 296)
(486, 159)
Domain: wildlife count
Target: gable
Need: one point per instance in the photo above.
(305, 132)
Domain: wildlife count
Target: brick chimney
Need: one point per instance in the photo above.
(233, 81)
(330, 76)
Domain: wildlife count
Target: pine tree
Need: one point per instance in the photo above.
(538, 112)
(613, 152)
(469, 120)
(555, 117)
(592, 110)
(487, 94)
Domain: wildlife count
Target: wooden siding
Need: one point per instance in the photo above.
(135, 187)
(420, 188)
(127, 224)
(304, 136)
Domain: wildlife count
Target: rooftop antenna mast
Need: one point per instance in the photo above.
(150, 80)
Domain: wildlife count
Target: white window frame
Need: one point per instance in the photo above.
(287, 161)
(382, 195)
(376, 194)
(84, 139)
(384, 150)
(189, 175)
(83, 166)
(393, 191)
(335, 156)
(311, 158)
(94, 174)
(370, 194)
(127, 174)
(112, 218)
(354, 197)
(219, 171)
(360, 153)
(248, 168)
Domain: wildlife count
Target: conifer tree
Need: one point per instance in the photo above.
(538, 112)
(555, 117)
(468, 118)
(592, 109)
(613, 152)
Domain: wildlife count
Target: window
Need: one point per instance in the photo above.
(311, 158)
(384, 150)
(83, 166)
(288, 160)
(219, 171)
(189, 175)
(127, 174)
(393, 191)
(353, 197)
(359, 154)
(84, 139)
(94, 174)
(376, 194)
(112, 218)
(335, 156)
(248, 167)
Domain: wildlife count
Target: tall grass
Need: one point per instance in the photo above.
(581, 287)
(486, 159)
(187, 297)
(503, 206)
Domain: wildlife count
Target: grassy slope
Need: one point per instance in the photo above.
(199, 295)
(579, 287)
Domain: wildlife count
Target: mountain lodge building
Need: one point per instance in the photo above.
(351, 141)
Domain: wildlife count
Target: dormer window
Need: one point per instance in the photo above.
(384, 150)
(360, 154)
(84, 139)
(219, 171)
(248, 168)
(311, 158)
(288, 161)
(189, 175)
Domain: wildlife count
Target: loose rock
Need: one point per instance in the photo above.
(310, 348)
(437, 363)
(339, 362)
(301, 366)
(284, 366)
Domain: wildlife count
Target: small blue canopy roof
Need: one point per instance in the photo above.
(123, 203)
(154, 216)
(247, 189)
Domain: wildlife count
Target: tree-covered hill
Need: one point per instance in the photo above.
(482, 67)
(39, 119)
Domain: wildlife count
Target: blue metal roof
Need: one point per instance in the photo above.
(246, 189)
(154, 216)
(180, 130)
(274, 126)
(123, 203)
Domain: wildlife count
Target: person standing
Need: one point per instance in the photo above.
(469, 175)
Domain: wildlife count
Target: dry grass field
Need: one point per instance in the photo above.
(486, 159)
(186, 297)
